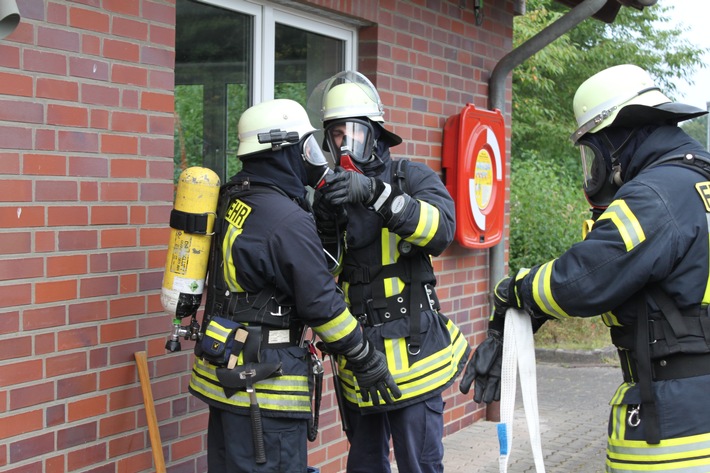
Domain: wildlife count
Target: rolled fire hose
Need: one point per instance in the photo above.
(518, 353)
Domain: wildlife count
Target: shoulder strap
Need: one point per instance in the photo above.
(700, 163)
(399, 175)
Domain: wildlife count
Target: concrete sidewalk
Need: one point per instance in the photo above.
(573, 397)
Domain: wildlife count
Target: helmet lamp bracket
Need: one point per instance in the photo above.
(278, 138)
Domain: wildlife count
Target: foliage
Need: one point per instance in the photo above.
(546, 213)
(698, 129)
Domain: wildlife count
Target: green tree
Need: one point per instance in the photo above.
(698, 129)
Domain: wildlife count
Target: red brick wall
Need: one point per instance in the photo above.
(86, 126)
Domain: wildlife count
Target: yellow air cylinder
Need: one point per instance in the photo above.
(192, 224)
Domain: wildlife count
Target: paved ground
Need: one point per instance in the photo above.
(573, 401)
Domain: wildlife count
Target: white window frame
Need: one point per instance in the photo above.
(266, 16)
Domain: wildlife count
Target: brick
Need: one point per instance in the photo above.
(75, 240)
(99, 286)
(88, 69)
(35, 467)
(64, 115)
(78, 141)
(130, 99)
(119, 144)
(15, 84)
(21, 111)
(161, 125)
(125, 260)
(43, 61)
(157, 102)
(9, 323)
(9, 163)
(38, 393)
(20, 372)
(44, 317)
(109, 215)
(55, 38)
(87, 311)
(128, 283)
(57, 89)
(119, 191)
(16, 190)
(65, 364)
(89, 192)
(56, 191)
(95, 406)
(129, 28)
(44, 165)
(15, 295)
(66, 265)
(55, 291)
(89, 20)
(54, 415)
(156, 191)
(14, 425)
(125, 7)
(15, 242)
(21, 268)
(126, 444)
(76, 435)
(114, 332)
(129, 122)
(45, 140)
(121, 50)
(55, 464)
(60, 216)
(140, 462)
(125, 352)
(99, 95)
(77, 338)
(9, 56)
(99, 119)
(13, 137)
(116, 377)
(76, 385)
(160, 147)
(85, 166)
(130, 75)
(118, 238)
(117, 424)
(87, 456)
(44, 343)
(16, 347)
(32, 447)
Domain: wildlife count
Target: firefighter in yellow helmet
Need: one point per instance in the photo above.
(644, 267)
(268, 280)
(394, 216)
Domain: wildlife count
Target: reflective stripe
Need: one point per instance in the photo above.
(287, 393)
(686, 454)
(337, 328)
(390, 254)
(610, 320)
(626, 222)
(619, 412)
(706, 296)
(230, 269)
(216, 331)
(424, 376)
(542, 292)
(427, 226)
(396, 352)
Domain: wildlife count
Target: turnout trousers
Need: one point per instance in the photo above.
(416, 432)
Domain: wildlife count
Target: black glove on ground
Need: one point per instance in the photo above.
(484, 368)
(374, 378)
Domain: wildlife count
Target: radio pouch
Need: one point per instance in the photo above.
(222, 338)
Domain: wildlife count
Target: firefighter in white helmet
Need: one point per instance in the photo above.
(268, 280)
(644, 267)
(394, 215)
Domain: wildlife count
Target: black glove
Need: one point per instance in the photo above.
(348, 186)
(505, 296)
(374, 378)
(484, 368)
(329, 218)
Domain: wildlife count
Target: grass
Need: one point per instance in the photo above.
(573, 334)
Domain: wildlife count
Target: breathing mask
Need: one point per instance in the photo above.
(315, 161)
(351, 142)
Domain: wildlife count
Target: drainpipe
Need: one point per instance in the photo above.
(496, 100)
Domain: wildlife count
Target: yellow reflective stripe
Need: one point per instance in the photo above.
(230, 268)
(610, 320)
(427, 226)
(626, 222)
(217, 332)
(542, 292)
(396, 352)
(284, 393)
(423, 376)
(706, 296)
(337, 328)
(619, 412)
(390, 254)
(670, 455)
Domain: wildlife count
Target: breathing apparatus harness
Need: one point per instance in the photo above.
(674, 346)
(266, 316)
(413, 267)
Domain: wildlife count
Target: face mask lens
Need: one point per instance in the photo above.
(312, 153)
(351, 138)
(593, 168)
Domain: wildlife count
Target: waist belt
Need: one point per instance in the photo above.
(671, 367)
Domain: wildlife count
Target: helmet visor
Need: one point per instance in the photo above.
(352, 137)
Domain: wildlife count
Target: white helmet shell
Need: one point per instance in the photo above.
(345, 95)
(279, 114)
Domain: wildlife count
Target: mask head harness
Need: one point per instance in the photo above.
(313, 158)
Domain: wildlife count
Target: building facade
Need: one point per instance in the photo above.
(102, 103)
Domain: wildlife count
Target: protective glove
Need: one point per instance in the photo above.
(374, 378)
(484, 368)
(348, 187)
(329, 218)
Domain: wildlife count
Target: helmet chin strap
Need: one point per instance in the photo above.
(614, 155)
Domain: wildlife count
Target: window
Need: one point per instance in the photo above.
(230, 54)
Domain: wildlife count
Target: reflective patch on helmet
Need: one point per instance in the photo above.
(237, 213)
(703, 189)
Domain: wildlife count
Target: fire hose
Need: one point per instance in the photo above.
(518, 353)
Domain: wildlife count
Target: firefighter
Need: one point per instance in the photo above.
(394, 216)
(268, 279)
(643, 267)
